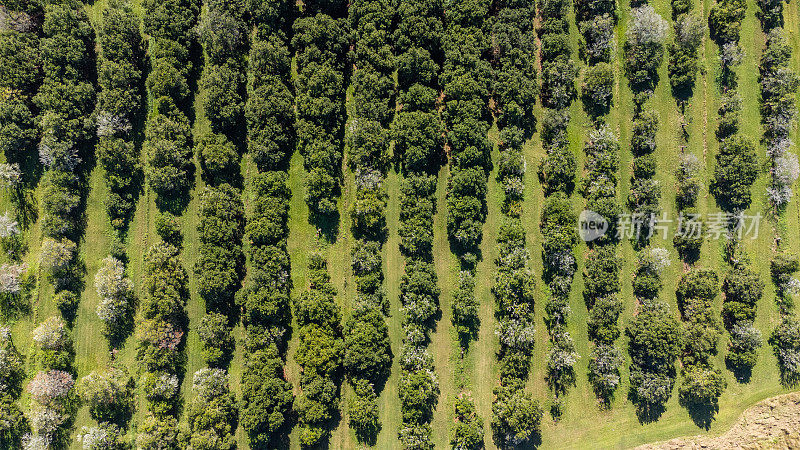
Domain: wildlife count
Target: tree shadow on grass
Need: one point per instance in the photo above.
(741, 373)
(702, 414)
(327, 224)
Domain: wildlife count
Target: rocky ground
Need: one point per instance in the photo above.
(772, 423)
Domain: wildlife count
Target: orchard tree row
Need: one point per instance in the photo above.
(735, 171)
(596, 22)
(643, 55)
(320, 43)
(320, 40)
(779, 85)
(418, 136)
(212, 414)
(655, 335)
(119, 79)
(557, 173)
(602, 268)
(368, 356)
(20, 77)
(168, 135)
(267, 398)
(516, 416)
(65, 102)
(168, 150)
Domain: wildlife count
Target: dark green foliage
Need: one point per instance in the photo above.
(655, 343)
(320, 353)
(368, 354)
(467, 433)
(220, 265)
(725, 20)
(735, 172)
(215, 339)
(516, 417)
(785, 342)
(119, 78)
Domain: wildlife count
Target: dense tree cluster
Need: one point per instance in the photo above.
(109, 396)
(702, 383)
(320, 354)
(689, 30)
(644, 52)
(655, 338)
(784, 339)
(779, 84)
(65, 101)
(368, 357)
(735, 172)
(320, 40)
(557, 174)
(266, 308)
(222, 31)
(468, 430)
(785, 342)
(20, 76)
(419, 144)
(770, 14)
(161, 336)
(736, 162)
(655, 343)
(742, 288)
(220, 264)
(601, 272)
(168, 133)
(596, 21)
(53, 397)
(12, 374)
(644, 47)
(466, 81)
(212, 413)
(117, 300)
(515, 89)
(725, 21)
(119, 77)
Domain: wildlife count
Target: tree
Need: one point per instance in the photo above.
(735, 172)
(11, 368)
(266, 396)
(109, 395)
(604, 370)
(52, 388)
(702, 386)
(785, 342)
(419, 393)
(368, 354)
(598, 88)
(155, 433)
(102, 437)
(56, 255)
(467, 431)
(215, 339)
(363, 410)
(219, 157)
(516, 417)
(212, 413)
(644, 46)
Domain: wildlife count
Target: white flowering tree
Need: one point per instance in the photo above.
(115, 308)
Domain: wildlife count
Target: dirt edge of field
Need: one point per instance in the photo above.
(771, 423)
